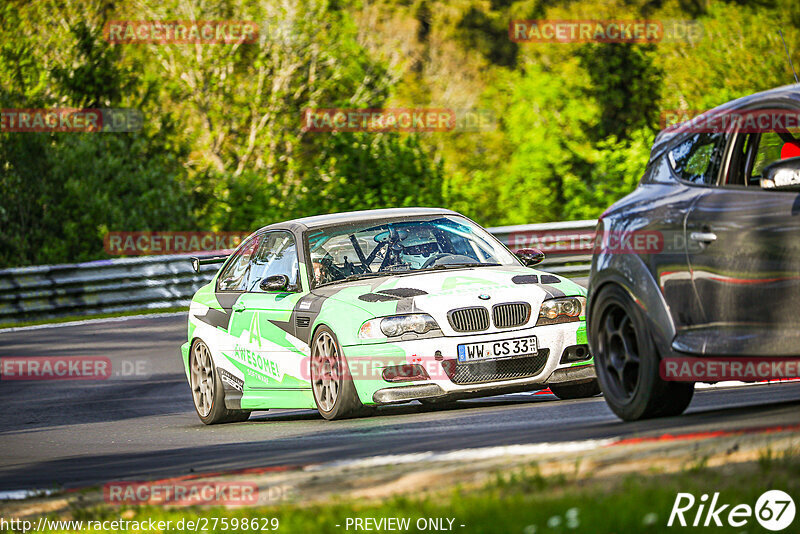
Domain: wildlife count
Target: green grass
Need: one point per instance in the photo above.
(520, 502)
(69, 318)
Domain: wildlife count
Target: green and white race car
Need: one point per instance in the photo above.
(344, 312)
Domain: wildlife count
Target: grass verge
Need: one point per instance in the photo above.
(519, 501)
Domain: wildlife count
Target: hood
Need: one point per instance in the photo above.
(438, 292)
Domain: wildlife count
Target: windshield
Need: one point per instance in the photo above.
(367, 249)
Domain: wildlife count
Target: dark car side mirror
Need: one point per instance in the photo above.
(530, 256)
(782, 175)
(276, 282)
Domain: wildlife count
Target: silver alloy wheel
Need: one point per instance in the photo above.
(202, 379)
(327, 367)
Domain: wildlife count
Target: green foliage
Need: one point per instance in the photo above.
(61, 192)
(222, 145)
(626, 86)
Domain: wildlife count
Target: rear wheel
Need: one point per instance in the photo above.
(627, 361)
(576, 391)
(207, 390)
(333, 388)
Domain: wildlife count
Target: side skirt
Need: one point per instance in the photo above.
(263, 399)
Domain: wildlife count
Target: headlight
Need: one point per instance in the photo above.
(563, 310)
(397, 325)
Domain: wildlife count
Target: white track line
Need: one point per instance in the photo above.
(91, 321)
(482, 453)
(18, 495)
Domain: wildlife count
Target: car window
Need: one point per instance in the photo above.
(697, 158)
(235, 275)
(767, 151)
(277, 254)
(753, 152)
(380, 248)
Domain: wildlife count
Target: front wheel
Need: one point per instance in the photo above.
(331, 382)
(627, 361)
(576, 391)
(207, 390)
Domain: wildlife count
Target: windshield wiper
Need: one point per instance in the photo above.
(443, 266)
(354, 277)
(359, 276)
(375, 274)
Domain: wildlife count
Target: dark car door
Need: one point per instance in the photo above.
(695, 161)
(743, 248)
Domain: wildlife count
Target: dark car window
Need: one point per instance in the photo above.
(767, 151)
(752, 152)
(235, 275)
(277, 254)
(697, 158)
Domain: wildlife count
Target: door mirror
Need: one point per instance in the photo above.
(276, 282)
(782, 175)
(530, 256)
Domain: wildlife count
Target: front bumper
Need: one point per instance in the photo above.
(450, 380)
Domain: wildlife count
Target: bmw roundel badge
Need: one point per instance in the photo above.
(484, 297)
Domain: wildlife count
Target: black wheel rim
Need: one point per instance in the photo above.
(619, 349)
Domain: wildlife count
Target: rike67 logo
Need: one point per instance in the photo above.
(774, 510)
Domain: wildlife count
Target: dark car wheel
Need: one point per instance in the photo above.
(331, 382)
(576, 391)
(207, 390)
(627, 361)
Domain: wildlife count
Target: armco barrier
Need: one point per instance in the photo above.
(159, 282)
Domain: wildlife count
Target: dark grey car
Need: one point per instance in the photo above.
(702, 260)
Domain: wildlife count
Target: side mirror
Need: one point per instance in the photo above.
(782, 175)
(277, 282)
(530, 256)
(197, 262)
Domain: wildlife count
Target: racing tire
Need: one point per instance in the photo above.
(208, 393)
(576, 391)
(331, 382)
(627, 360)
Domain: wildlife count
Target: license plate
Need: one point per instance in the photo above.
(492, 350)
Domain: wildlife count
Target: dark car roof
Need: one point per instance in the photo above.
(317, 221)
(789, 94)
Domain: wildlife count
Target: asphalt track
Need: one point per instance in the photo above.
(70, 433)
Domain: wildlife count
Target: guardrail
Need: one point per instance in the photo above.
(168, 281)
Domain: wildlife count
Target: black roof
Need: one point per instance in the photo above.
(788, 95)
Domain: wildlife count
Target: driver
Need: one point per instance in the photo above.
(319, 272)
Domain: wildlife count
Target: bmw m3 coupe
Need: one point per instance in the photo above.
(345, 312)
